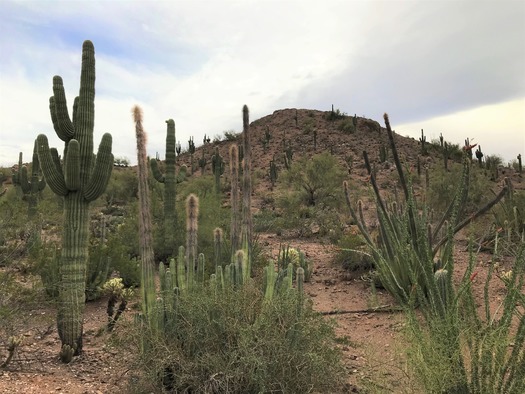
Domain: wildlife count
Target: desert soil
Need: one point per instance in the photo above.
(372, 342)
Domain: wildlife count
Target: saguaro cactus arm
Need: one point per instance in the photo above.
(72, 166)
(156, 171)
(102, 171)
(52, 172)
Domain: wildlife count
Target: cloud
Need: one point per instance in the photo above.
(431, 58)
(198, 62)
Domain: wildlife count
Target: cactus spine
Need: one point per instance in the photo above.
(247, 224)
(169, 179)
(79, 181)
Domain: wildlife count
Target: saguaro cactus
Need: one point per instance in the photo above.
(247, 224)
(32, 187)
(234, 197)
(217, 165)
(80, 179)
(169, 179)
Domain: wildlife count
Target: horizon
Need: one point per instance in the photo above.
(437, 70)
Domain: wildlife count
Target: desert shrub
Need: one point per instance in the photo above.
(308, 196)
(353, 254)
(443, 185)
(122, 250)
(458, 349)
(234, 341)
(346, 126)
(231, 135)
(122, 187)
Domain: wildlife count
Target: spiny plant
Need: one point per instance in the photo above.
(217, 167)
(247, 222)
(145, 232)
(203, 161)
(79, 179)
(408, 242)
(169, 179)
(462, 348)
(234, 198)
(31, 188)
(423, 140)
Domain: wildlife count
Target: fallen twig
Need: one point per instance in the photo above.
(381, 308)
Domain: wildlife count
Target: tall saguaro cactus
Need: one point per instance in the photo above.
(169, 179)
(247, 224)
(80, 179)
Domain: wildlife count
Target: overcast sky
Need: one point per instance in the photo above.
(451, 67)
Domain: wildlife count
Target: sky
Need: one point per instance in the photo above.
(450, 67)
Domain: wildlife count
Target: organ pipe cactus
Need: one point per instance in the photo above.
(169, 179)
(32, 187)
(80, 179)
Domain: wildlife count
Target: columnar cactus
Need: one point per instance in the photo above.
(191, 149)
(145, 227)
(273, 172)
(202, 162)
(217, 246)
(423, 141)
(32, 187)
(479, 156)
(192, 214)
(16, 174)
(169, 179)
(80, 180)
(247, 224)
(519, 163)
(217, 166)
(234, 197)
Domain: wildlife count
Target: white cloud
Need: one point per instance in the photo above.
(198, 62)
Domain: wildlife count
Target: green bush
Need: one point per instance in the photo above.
(346, 126)
(467, 349)
(234, 341)
(309, 198)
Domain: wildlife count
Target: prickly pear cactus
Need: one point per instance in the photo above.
(80, 179)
